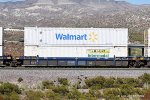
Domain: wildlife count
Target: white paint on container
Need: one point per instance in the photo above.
(148, 43)
(1, 41)
(30, 51)
(148, 37)
(31, 36)
(148, 51)
(1, 36)
(76, 42)
(1, 50)
(75, 37)
(90, 52)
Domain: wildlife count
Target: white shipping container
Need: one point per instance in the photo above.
(148, 52)
(1, 50)
(31, 51)
(31, 36)
(90, 52)
(149, 37)
(75, 36)
(148, 43)
(1, 36)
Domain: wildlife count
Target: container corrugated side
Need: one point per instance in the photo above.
(1, 36)
(149, 37)
(148, 43)
(76, 36)
(1, 50)
(30, 50)
(148, 51)
(90, 52)
(31, 36)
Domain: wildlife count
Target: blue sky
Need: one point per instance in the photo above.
(9, 0)
(131, 1)
(138, 1)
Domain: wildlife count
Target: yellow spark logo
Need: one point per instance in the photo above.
(93, 37)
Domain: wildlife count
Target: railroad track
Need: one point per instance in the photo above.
(44, 68)
(35, 75)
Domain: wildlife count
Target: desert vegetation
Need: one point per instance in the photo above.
(96, 88)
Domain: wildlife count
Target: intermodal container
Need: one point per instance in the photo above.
(76, 36)
(76, 42)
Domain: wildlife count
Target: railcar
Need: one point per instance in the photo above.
(77, 47)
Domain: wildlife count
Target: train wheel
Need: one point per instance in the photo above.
(140, 64)
(13, 64)
(131, 64)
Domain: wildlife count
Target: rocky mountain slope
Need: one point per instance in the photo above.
(75, 13)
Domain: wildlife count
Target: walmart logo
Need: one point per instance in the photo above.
(71, 37)
(92, 37)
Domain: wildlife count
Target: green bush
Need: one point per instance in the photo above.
(34, 95)
(95, 93)
(97, 87)
(115, 91)
(131, 81)
(84, 87)
(118, 82)
(14, 96)
(62, 90)
(7, 88)
(50, 95)
(5, 97)
(74, 94)
(145, 78)
(126, 89)
(63, 81)
(77, 85)
(109, 82)
(11, 96)
(88, 96)
(47, 84)
(111, 94)
(96, 83)
(139, 91)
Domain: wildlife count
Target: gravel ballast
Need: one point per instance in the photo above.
(35, 76)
